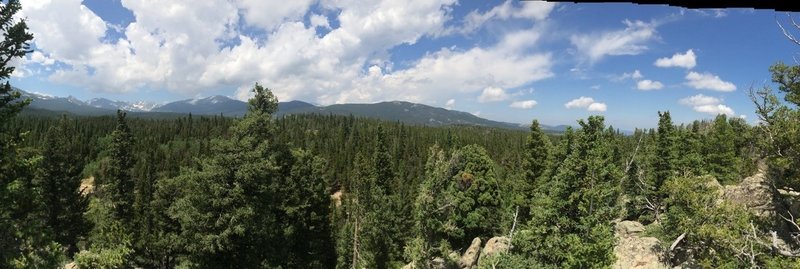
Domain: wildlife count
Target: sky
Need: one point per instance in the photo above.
(502, 60)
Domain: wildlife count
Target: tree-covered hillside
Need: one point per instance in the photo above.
(332, 191)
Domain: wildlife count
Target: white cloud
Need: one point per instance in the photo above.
(586, 102)
(635, 75)
(268, 14)
(700, 100)
(191, 47)
(708, 81)
(450, 104)
(39, 58)
(715, 12)
(715, 109)
(319, 21)
(579, 102)
(526, 104)
(687, 60)
(533, 10)
(629, 41)
(442, 74)
(599, 107)
(707, 104)
(647, 85)
(492, 94)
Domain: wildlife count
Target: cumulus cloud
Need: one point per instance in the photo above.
(319, 21)
(707, 104)
(268, 14)
(708, 81)
(525, 104)
(629, 41)
(647, 85)
(586, 102)
(599, 107)
(190, 47)
(687, 60)
(492, 94)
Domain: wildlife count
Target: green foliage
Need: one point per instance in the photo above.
(110, 239)
(690, 159)
(40, 256)
(116, 181)
(253, 202)
(535, 163)
(788, 79)
(509, 261)
(459, 199)
(720, 152)
(23, 242)
(718, 233)
(665, 151)
(571, 227)
(60, 180)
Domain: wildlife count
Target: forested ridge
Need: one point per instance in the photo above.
(315, 191)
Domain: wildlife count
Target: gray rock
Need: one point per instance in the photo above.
(495, 245)
(634, 251)
(470, 258)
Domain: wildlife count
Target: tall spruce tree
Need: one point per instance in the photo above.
(60, 180)
(534, 164)
(690, 161)
(571, 227)
(664, 166)
(117, 184)
(720, 152)
(235, 211)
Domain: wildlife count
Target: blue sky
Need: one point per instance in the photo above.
(503, 60)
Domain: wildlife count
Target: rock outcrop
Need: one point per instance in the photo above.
(755, 194)
(470, 258)
(635, 251)
(494, 246)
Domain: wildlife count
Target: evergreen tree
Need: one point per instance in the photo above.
(60, 180)
(235, 210)
(534, 164)
(357, 238)
(690, 159)
(433, 209)
(572, 228)
(720, 152)
(23, 243)
(116, 182)
(664, 166)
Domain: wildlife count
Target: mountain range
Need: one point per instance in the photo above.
(406, 112)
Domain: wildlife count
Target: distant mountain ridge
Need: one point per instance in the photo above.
(406, 112)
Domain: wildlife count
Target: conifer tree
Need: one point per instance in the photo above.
(572, 229)
(664, 165)
(60, 180)
(721, 158)
(534, 164)
(690, 160)
(22, 234)
(117, 183)
(235, 210)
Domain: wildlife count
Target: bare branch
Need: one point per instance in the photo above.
(780, 250)
(791, 221)
(677, 241)
(786, 33)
